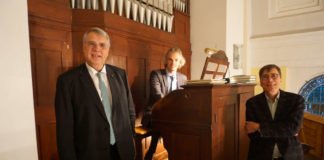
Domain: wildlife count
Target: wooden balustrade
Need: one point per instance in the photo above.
(313, 127)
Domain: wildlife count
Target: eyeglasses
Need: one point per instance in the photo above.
(93, 44)
(272, 76)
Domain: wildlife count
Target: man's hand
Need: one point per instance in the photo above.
(251, 127)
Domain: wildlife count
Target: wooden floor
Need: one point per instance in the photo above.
(309, 157)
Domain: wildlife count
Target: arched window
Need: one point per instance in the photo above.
(313, 92)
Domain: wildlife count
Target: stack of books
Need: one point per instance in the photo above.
(243, 79)
(207, 81)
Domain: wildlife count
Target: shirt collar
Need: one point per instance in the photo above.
(94, 71)
(174, 74)
(276, 99)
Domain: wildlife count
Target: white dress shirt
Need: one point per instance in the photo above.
(273, 108)
(93, 74)
(174, 82)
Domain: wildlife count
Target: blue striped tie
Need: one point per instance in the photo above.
(171, 83)
(106, 104)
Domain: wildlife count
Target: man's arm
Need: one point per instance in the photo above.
(64, 121)
(251, 124)
(290, 125)
(155, 86)
(251, 127)
(155, 91)
(154, 95)
(182, 79)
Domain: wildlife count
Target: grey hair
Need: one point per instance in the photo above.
(179, 52)
(96, 30)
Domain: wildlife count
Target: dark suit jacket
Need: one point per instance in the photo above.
(158, 89)
(281, 130)
(82, 126)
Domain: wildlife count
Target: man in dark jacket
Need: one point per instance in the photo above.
(273, 120)
(95, 114)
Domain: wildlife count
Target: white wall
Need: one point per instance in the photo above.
(208, 29)
(215, 24)
(17, 133)
(302, 20)
(295, 42)
(302, 54)
(235, 33)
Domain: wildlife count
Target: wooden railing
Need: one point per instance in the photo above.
(313, 127)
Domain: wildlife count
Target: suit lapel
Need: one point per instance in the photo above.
(165, 81)
(91, 89)
(265, 107)
(180, 80)
(113, 83)
(281, 104)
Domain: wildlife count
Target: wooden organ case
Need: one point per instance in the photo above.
(56, 32)
(204, 122)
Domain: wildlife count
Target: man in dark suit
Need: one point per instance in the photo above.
(95, 114)
(273, 120)
(162, 82)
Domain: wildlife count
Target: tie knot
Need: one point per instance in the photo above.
(172, 85)
(100, 75)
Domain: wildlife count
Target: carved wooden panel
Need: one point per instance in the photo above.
(136, 70)
(181, 26)
(314, 131)
(48, 65)
(243, 138)
(322, 154)
(55, 10)
(51, 54)
(208, 126)
(45, 150)
(119, 61)
(189, 149)
(225, 121)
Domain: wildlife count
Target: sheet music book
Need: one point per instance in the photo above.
(206, 81)
(243, 79)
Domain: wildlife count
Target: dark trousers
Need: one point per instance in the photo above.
(114, 152)
(154, 141)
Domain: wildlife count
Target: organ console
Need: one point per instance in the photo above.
(204, 121)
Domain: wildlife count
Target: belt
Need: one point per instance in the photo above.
(114, 152)
(113, 146)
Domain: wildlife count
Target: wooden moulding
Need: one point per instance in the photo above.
(313, 117)
(83, 19)
(50, 11)
(120, 24)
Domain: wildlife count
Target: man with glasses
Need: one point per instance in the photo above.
(95, 114)
(273, 119)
